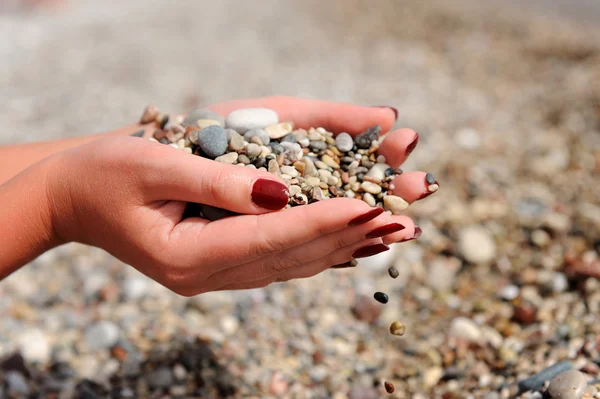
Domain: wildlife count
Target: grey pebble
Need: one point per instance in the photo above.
(364, 139)
(261, 134)
(318, 145)
(344, 142)
(253, 150)
(569, 384)
(290, 138)
(213, 141)
(537, 381)
(139, 133)
(242, 120)
(102, 335)
(17, 385)
(160, 378)
(243, 159)
(277, 148)
(202, 113)
(237, 142)
(430, 178)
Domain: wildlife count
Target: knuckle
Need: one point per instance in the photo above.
(283, 261)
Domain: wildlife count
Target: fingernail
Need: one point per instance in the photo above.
(372, 214)
(270, 194)
(416, 234)
(385, 230)
(411, 147)
(351, 263)
(431, 185)
(139, 133)
(392, 108)
(370, 250)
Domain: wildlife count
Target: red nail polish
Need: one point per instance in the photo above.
(428, 193)
(270, 194)
(370, 250)
(385, 230)
(416, 234)
(372, 214)
(392, 108)
(411, 147)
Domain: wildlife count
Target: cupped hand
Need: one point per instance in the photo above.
(127, 195)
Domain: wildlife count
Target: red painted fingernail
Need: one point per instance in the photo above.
(370, 250)
(385, 230)
(351, 263)
(392, 108)
(416, 234)
(372, 214)
(270, 194)
(411, 147)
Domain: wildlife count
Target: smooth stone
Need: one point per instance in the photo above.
(290, 138)
(318, 145)
(378, 171)
(242, 120)
(159, 378)
(229, 158)
(364, 139)
(253, 150)
(34, 346)
(569, 384)
(476, 245)
(290, 171)
(135, 288)
(327, 160)
(535, 382)
(309, 167)
(260, 133)
(277, 148)
(202, 123)
(312, 181)
(430, 178)
(102, 335)
(292, 147)
(213, 141)
(279, 130)
(467, 329)
(237, 142)
(243, 159)
(344, 142)
(202, 113)
(17, 384)
(369, 199)
(371, 188)
(273, 167)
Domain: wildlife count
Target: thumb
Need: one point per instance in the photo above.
(190, 178)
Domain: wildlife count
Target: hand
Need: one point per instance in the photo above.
(127, 196)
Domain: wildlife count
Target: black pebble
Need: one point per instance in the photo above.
(364, 139)
(393, 272)
(390, 172)
(163, 140)
(139, 133)
(430, 178)
(260, 162)
(164, 121)
(277, 148)
(381, 297)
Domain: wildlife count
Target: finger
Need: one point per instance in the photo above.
(305, 113)
(251, 237)
(413, 186)
(264, 268)
(171, 174)
(398, 145)
(310, 269)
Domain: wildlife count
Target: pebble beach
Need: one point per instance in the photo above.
(499, 297)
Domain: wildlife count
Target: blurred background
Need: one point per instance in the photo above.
(502, 284)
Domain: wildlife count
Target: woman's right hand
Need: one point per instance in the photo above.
(127, 195)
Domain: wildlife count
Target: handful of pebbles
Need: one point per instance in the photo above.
(313, 163)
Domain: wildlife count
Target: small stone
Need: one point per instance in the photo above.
(393, 272)
(290, 138)
(242, 120)
(159, 378)
(389, 387)
(344, 142)
(229, 158)
(476, 245)
(202, 113)
(243, 159)
(370, 187)
(150, 113)
(34, 346)
(378, 171)
(537, 381)
(430, 178)
(179, 372)
(253, 150)
(260, 133)
(381, 297)
(135, 288)
(279, 130)
(464, 328)
(397, 328)
(509, 292)
(365, 310)
(569, 384)
(202, 123)
(237, 142)
(365, 139)
(16, 384)
(212, 140)
(432, 376)
(102, 335)
(327, 160)
(369, 199)
(394, 204)
(290, 171)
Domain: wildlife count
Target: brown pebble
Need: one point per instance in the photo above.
(397, 328)
(525, 313)
(389, 387)
(149, 114)
(365, 309)
(393, 272)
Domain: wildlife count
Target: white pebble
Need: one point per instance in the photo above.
(279, 130)
(228, 158)
(242, 120)
(394, 204)
(569, 384)
(370, 187)
(476, 244)
(464, 328)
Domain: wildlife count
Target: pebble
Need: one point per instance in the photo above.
(102, 335)
(253, 149)
(378, 171)
(394, 204)
(150, 113)
(344, 142)
(17, 384)
(429, 178)
(509, 292)
(202, 113)
(229, 158)
(135, 288)
(213, 141)
(569, 384)
(34, 346)
(537, 381)
(397, 328)
(464, 328)
(476, 245)
(202, 123)
(371, 188)
(160, 378)
(393, 272)
(365, 139)
(242, 120)
(381, 297)
(279, 130)
(262, 135)
(389, 387)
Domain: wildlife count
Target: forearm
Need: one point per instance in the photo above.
(26, 226)
(16, 158)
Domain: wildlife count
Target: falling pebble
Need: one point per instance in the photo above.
(389, 387)
(394, 273)
(397, 328)
(381, 297)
